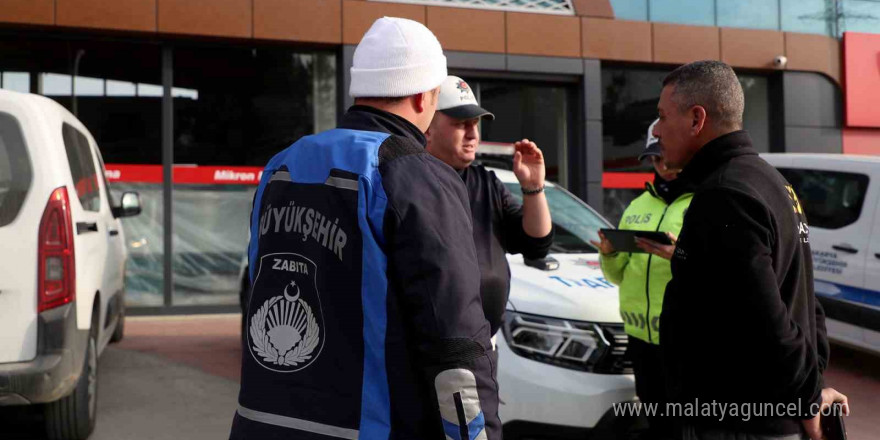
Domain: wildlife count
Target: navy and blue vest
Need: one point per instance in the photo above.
(354, 326)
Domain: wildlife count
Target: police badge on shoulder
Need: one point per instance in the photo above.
(285, 330)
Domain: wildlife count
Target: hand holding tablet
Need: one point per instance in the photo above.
(624, 240)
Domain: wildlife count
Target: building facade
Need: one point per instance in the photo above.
(189, 98)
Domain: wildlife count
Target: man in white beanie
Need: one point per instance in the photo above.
(364, 319)
(502, 225)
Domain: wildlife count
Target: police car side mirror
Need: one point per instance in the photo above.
(545, 264)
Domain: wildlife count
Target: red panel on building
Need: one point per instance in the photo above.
(626, 180)
(217, 175)
(862, 79)
(133, 173)
(185, 174)
(861, 141)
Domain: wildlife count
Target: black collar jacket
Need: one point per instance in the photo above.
(498, 231)
(497, 215)
(740, 323)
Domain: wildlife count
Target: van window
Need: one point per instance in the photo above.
(831, 199)
(82, 167)
(15, 169)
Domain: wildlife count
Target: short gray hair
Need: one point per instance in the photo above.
(712, 85)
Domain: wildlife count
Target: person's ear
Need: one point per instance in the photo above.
(419, 102)
(698, 119)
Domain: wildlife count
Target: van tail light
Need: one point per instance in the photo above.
(57, 273)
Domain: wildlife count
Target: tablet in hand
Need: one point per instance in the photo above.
(624, 240)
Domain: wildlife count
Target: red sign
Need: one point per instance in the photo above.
(626, 180)
(133, 173)
(862, 79)
(217, 175)
(185, 174)
(213, 175)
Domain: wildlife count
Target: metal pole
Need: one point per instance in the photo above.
(167, 173)
(79, 55)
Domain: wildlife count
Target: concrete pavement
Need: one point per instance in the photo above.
(143, 396)
(857, 374)
(150, 386)
(170, 378)
(177, 378)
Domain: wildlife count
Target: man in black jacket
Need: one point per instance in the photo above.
(741, 329)
(501, 224)
(364, 319)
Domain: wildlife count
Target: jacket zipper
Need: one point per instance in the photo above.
(648, 280)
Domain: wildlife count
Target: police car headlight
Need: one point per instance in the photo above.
(568, 344)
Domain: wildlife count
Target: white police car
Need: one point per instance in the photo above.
(561, 355)
(840, 195)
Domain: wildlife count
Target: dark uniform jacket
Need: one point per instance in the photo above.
(364, 319)
(740, 322)
(498, 231)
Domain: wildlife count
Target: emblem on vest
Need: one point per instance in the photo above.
(803, 227)
(285, 331)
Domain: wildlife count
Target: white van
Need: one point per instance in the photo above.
(840, 195)
(62, 263)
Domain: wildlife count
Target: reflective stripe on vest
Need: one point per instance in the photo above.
(298, 424)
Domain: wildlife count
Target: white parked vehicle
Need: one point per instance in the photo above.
(62, 263)
(561, 363)
(840, 195)
(561, 349)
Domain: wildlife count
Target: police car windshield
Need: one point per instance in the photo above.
(575, 224)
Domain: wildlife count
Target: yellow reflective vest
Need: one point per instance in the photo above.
(643, 277)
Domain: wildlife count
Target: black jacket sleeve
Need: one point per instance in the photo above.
(433, 268)
(822, 338)
(733, 307)
(516, 240)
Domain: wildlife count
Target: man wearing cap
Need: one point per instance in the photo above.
(364, 319)
(501, 224)
(642, 277)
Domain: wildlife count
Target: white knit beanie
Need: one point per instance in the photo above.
(397, 57)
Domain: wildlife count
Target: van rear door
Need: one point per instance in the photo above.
(20, 213)
(91, 234)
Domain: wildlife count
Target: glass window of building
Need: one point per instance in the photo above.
(698, 12)
(756, 116)
(825, 17)
(16, 81)
(756, 14)
(860, 16)
(234, 108)
(98, 80)
(630, 9)
(809, 16)
(629, 106)
(543, 113)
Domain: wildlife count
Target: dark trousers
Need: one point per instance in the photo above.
(651, 386)
(690, 432)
